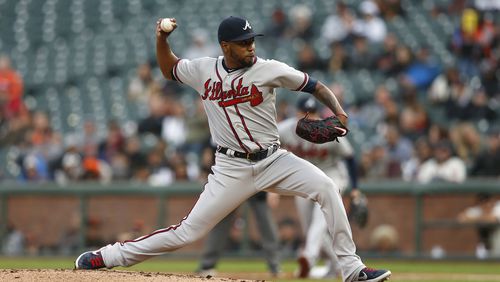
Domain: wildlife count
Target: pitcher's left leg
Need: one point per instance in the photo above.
(289, 174)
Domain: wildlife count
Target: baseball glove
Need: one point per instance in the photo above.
(321, 131)
(358, 211)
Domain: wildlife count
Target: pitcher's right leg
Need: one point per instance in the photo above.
(226, 189)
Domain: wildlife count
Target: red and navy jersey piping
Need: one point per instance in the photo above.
(174, 72)
(227, 115)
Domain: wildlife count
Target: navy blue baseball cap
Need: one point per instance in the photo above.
(235, 29)
(308, 104)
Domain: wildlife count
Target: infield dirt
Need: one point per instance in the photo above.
(60, 275)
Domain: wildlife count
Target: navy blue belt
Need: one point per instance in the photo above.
(253, 156)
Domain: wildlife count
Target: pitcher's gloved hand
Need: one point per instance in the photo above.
(321, 131)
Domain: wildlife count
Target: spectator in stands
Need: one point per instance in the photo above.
(71, 168)
(11, 89)
(485, 213)
(472, 40)
(159, 107)
(89, 135)
(339, 25)
(200, 46)
(34, 168)
(40, 129)
(180, 168)
(96, 168)
(404, 57)
(113, 144)
(422, 152)
(437, 133)
(383, 111)
(197, 131)
(398, 151)
(390, 8)
(14, 116)
(486, 164)
(301, 23)
(386, 59)
(308, 60)
(361, 56)
(174, 130)
(339, 58)
(462, 43)
(467, 141)
(120, 166)
(53, 147)
(454, 8)
(371, 25)
(443, 87)
(143, 85)
(136, 158)
(478, 108)
(461, 95)
(413, 119)
(374, 163)
(141, 174)
(421, 72)
(160, 173)
(489, 79)
(444, 166)
(279, 25)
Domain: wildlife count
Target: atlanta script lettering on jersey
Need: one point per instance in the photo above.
(214, 92)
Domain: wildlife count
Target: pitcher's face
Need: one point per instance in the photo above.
(239, 54)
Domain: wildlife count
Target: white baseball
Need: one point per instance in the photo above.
(166, 25)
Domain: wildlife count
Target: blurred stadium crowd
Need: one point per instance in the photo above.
(420, 81)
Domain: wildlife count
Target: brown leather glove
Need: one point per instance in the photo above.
(321, 131)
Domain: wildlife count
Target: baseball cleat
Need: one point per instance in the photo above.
(304, 267)
(90, 260)
(372, 275)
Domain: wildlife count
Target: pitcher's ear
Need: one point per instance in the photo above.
(224, 45)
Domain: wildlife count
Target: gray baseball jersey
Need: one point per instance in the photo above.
(240, 104)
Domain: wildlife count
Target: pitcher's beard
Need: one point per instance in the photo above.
(247, 62)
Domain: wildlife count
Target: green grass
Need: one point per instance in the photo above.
(254, 266)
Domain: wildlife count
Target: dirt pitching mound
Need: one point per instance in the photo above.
(60, 275)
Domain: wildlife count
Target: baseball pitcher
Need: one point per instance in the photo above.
(238, 91)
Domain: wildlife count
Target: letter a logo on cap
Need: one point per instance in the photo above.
(247, 25)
